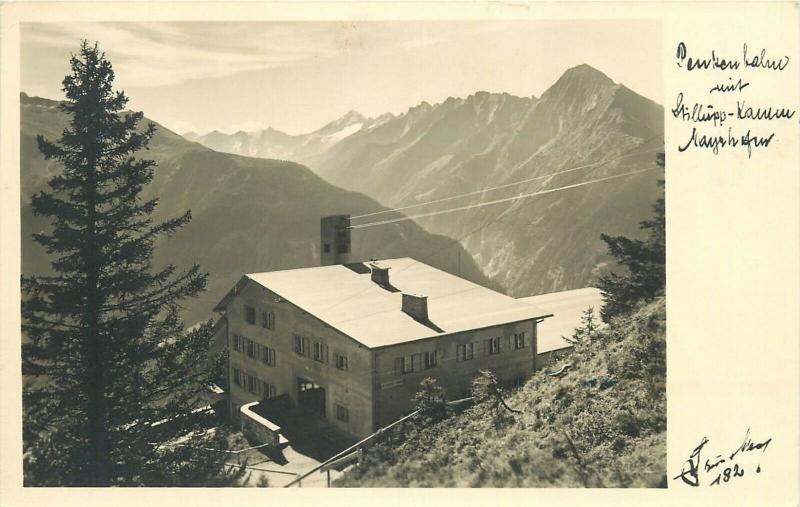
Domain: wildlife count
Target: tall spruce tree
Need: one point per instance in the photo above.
(113, 381)
(644, 262)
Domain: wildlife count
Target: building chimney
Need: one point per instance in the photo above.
(416, 306)
(335, 240)
(380, 275)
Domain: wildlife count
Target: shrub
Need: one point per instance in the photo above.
(430, 401)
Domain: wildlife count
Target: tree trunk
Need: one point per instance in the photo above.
(98, 469)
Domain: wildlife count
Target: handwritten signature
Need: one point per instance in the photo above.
(721, 468)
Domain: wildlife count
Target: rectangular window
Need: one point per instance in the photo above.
(519, 340)
(268, 356)
(494, 345)
(237, 377)
(251, 349)
(238, 343)
(268, 390)
(466, 351)
(301, 345)
(320, 352)
(250, 314)
(430, 359)
(252, 384)
(407, 365)
(342, 413)
(341, 362)
(268, 320)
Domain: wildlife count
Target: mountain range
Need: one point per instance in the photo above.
(271, 143)
(249, 214)
(585, 127)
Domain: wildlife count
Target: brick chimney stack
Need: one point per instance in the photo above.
(335, 245)
(380, 275)
(416, 306)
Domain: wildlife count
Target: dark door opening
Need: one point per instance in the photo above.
(310, 396)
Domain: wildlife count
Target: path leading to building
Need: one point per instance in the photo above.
(311, 441)
(280, 474)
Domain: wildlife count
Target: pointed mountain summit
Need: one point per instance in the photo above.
(352, 117)
(584, 74)
(483, 140)
(488, 139)
(580, 85)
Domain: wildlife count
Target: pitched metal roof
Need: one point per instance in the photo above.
(348, 300)
(567, 307)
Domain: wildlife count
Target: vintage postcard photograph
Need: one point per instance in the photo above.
(400, 253)
(370, 251)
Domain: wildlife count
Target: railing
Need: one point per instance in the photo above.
(361, 443)
(238, 453)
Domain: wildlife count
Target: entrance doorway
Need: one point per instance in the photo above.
(310, 396)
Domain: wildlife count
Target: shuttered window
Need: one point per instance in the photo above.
(519, 340)
(238, 343)
(268, 320)
(301, 345)
(341, 362)
(268, 390)
(466, 351)
(431, 359)
(268, 356)
(408, 364)
(320, 352)
(494, 345)
(252, 383)
(404, 365)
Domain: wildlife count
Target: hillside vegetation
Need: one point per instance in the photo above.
(600, 424)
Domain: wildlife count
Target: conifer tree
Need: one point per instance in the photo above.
(586, 330)
(644, 263)
(113, 380)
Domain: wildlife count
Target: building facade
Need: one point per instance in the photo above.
(352, 342)
(274, 347)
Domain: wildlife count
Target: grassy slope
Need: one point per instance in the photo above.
(612, 404)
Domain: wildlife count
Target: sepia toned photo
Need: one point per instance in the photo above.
(343, 254)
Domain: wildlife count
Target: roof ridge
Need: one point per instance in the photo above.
(357, 307)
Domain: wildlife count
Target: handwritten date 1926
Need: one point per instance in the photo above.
(722, 468)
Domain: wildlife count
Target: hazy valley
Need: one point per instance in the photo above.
(462, 145)
(249, 214)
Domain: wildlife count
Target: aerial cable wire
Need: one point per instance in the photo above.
(499, 201)
(506, 185)
(496, 219)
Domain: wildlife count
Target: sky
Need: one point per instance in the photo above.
(298, 76)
